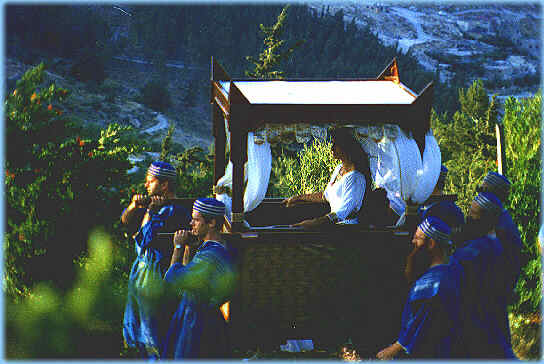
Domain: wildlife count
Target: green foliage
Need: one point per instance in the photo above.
(522, 120)
(467, 142)
(167, 143)
(267, 63)
(58, 186)
(526, 330)
(155, 95)
(468, 147)
(84, 322)
(195, 173)
(308, 172)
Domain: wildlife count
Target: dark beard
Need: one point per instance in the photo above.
(420, 263)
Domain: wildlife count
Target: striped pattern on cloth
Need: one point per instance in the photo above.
(436, 229)
(209, 206)
(162, 169)
(490, 202)
(497, 183)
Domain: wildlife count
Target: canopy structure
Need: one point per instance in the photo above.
(249, 104)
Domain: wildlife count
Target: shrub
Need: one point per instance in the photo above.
(58, 185)
(309, 171)
(155, 95)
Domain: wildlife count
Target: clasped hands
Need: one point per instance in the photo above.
(153, 202)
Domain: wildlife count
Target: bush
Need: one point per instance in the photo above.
(58, 185)
(309, 171)
(155, 95)
(84, 322)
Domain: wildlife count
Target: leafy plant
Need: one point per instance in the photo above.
(58, 185)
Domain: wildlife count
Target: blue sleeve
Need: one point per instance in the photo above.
(149, 231)
(415, 318)
(194, 276)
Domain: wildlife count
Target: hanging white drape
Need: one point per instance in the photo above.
(396, 165)
(256, 173)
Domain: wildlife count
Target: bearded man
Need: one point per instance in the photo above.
(430, 320)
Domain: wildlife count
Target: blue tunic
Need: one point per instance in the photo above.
(510, 237)
(142, 320)
(197, 329)
(480, 262)
(430, 320)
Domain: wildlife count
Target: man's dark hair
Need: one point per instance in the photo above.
(219, 220)
(172, 184)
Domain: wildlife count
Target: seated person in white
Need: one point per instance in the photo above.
(346, 189)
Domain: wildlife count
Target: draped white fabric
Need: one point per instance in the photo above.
(432, 160)
(396, 164)
(256, 174)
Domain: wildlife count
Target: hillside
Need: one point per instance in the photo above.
(130, 45)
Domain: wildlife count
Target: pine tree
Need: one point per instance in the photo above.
(266, 66)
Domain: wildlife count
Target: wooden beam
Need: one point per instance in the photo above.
(220, 143)
(390, 73)
(238, 157)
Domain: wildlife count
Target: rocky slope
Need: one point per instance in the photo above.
(495, 42)
(499, 41)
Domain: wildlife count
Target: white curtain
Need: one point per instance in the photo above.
(256, 174)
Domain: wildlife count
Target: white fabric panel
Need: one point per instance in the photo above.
(256, 173)
(259, 165)
(388, 170)
(411, 165)
(432, 160)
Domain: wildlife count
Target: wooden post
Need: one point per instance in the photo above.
(501, 151)
(220, 143)
(238, 156)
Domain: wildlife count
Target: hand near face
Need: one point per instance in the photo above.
(138, 200)
(156, 202)
(182, 237)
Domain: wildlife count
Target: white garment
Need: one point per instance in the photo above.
(346, 194)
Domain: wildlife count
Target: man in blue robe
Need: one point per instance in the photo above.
(146, 217)
(446, 211)
(507, 231)
(201, 285)
(430, 320)
(480, 260)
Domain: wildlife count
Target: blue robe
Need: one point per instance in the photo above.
(510, 237)
(430, 320)
(483, 279)
(143, 317)
(197, 329)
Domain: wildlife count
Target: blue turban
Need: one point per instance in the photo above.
(209, 206)
(447, 211)
(489, 202)
(497, 183)
(436, 229)
(442, 177)
(162, 169)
